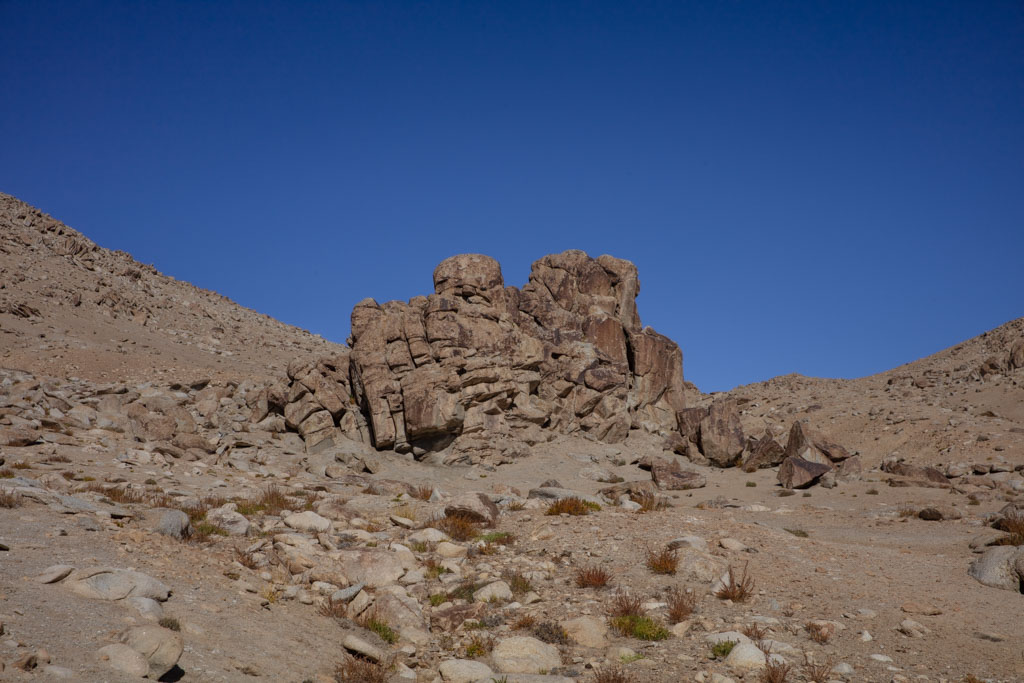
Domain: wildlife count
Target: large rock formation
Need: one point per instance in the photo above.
(481, 367)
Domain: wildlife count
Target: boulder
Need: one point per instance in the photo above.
(496, 591)
(523, 654)
(160, 646)
(120, 657)
(672, 477)
(587, 631)
(762, 453)
(375, 568)
(464, 671)
(795, 472)
(811, 445)
(229, 519)
(721, 434)
(1000, 567)
(116, 584)
(167, 521)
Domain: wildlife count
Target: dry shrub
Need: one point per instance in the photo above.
(336, 609)
(121, 496)
(736, 588)
(525, 623)
(245, 559)
(572, 506)
(819, 632)
(612, 674)
(1013, 524)
(551, 633)
(662, 561)
(775, 671)
(593, 577)
(518, 583)
(649, 502)
(9, 499)
(480, 645)
(625, 605)
(422, 492)
(755, 632)
(273, 500)
(58, 457)
(816, 673)
(356, 670)
(461, 527)
(681, 604)
(516, 506)
(22, 465)
(7, 473)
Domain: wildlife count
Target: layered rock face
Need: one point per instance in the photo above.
(478, 366)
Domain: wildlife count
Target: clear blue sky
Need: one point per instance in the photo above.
(827, 188)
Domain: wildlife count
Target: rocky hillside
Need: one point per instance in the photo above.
(69, 308)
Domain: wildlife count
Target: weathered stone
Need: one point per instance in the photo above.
(721, 434)
(762, 453)
(672, 477)
(120, 657)
(160, 646)
(522, 654)
(307, 521)
(587, 631)
(229, 519)
(795, 472)
(166, 521)
(811, 445)
(1000, 567)
(496, 591)
(464, 671)
(55, 573)
(375, 568)
(116, 584)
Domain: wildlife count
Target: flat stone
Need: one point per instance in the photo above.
(522, 654)
(116, 584)
(464, 671)
(55, 573)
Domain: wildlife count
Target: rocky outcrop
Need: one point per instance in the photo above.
(478, 368)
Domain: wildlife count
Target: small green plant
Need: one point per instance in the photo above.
(518, 583)
(381, 628)
(419, 547)
(639, 627)
(498, 537)
(438, 599)
(460, 527)
(479, 646)
(572, 506)
(170, 623)
(751, 484)
(203, 531)
(799, 533)
(722, 648)
(629, 659)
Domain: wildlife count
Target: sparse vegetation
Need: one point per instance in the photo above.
(751, 484)
(721, 649)
(775, 671)
(170, 623)
(639, 627)
(662, 561)
(422, 492)
(434, 568)
(1013, 524)
(498, 538)
(612, 674)
(356, 670)
(460, 527)
(625, 604)
(799, 533)
(649, 502)
(593, 577)
(335, 609)
(572, 506)
(550, 632)
(479, 646)
(819, 632)
(203, 531)
(736, 588)
(681, 604)
(437, 599)
(371, 622)
(464, 591)
(519, 584)
(22, 465)
(871, 492)
(816, 673)
(525, 623)
(9, 499)
(7, 473)
(756, 632)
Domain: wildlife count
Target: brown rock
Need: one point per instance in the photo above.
(474, 505)
(762, 453)
(672, 477)
(810, 444)
(795, 473)
(721, 435)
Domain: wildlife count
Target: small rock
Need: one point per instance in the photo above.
(499, 590)
(55, 573)
(308, 521)
(354, 643)
(160, 646)
(587, 631)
